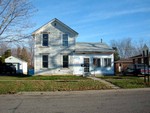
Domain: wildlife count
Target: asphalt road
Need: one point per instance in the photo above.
(102, 101)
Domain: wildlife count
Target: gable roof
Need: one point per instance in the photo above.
(139, 56)
(15, 58)
(56, 20)
(92, 47)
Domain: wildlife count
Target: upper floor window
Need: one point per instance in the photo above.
(107, 62)
(97, 62)
(45, 40)
(65, 40)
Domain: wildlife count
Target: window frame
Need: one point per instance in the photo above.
(65, 62)
(45, 61)
(65, 42)
(107, 62)
(87, 64)
(97, 62)
(47, 40)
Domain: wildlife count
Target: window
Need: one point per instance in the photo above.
(97, 62)
(45, 61)
(65, 39)
(107, 62)
(45, 40)
(86, 63)
(139, 61)
(65, 61)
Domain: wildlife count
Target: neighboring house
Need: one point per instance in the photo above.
(138, 59)
(57, 52)
(122, 64)
(21, 65)
(142, 58)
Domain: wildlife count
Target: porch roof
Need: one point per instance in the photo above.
(92, 47)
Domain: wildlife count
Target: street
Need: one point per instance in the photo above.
(101, 101)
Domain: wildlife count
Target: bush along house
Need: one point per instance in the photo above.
(57, 53)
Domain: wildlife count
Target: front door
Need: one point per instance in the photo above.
(86, 64)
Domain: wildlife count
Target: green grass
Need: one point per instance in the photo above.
(56, 77)
(9, 84)
(126, 81)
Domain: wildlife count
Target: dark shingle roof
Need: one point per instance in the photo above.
(128, 60)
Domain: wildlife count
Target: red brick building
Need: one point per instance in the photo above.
(122, 64)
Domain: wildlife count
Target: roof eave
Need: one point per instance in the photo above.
(92, 51)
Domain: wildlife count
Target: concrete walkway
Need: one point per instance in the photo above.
(105, 82)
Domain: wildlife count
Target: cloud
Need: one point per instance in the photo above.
(127, 12)
(103, 15)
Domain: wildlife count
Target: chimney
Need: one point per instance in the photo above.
(101, 40)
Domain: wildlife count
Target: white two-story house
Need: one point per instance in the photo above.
(57, 52)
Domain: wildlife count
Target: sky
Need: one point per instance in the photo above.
(98, 19)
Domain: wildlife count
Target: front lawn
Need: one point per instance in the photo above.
(11, 84)
(26, 77)
(126, 81)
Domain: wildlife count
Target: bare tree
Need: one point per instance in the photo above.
(3, 48)
(26, 52)
(31, 50)
(23, 53)
(14, 19)
(126, 48)
(139, 45)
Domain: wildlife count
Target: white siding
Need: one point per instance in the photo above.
(78, 60)
(55, 49)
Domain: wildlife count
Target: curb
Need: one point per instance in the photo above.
(86, 92)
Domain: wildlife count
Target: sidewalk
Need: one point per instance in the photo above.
(105, 82)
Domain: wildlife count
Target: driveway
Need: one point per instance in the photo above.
(101, 101)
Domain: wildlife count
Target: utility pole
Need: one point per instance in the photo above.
(145, 54)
